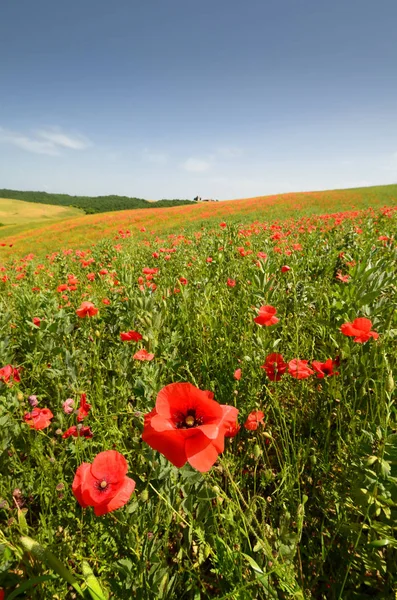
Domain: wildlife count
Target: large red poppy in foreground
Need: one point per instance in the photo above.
(103, 484)
(188, 425)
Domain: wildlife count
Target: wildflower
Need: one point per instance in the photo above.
(188, 425)
(84, 408)
(91, 276)
(299, 369)
(9, 374)
(78, 431)
(129, 336)
(209, 259)
(36, 321)
(266, 316)
(344, 278)
(106, 301)
(143, 354)
(360, 329)
(87, 309)
(274, 366)
(183, 280)
(262, 255)
(232, 430)
(231, 282)
(325, 368)
(33, 400)
(39, 418)
(237, 374)
(253, 420)
(103, 483)
(285, 269)
(147, 271)
(68, 406)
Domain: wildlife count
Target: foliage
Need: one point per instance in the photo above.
(304, 506)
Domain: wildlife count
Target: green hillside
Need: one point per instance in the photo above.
(90, 204)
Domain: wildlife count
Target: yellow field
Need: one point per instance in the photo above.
(17, 216)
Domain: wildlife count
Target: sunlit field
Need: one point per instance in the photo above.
(88, 229)
(199, 402)
(17, 216)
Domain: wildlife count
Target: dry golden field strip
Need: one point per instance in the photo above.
(17, 216)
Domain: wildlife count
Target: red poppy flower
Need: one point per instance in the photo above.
(285, 269)
(209, 259)
(231, 282)
(39, 418)
(254, 418)
(103, 484)
(183, 280)
(143, 354)
(9, 374)
(36, 321)
(266, 316)
(188, 425)
(87, 309)
(223, 224)
(91, 276)
(129, 336)
(78, 431)
(63, 287)
(84, 408)
(106, 301)
(360, 329)
(147, 271)
(325, 368)
(299, 369)
(344, 278)
(233, 430)
(237, 374)
(274, 366)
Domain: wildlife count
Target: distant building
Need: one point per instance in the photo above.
(200, 199)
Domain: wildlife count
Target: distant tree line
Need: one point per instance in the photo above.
(89, 204)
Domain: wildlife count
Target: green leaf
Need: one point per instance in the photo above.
(29, 584)
(92, 583)
(379, 543)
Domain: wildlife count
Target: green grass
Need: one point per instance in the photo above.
(303, 507)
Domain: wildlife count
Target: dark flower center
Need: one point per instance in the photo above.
(188, 420)
(102, 485)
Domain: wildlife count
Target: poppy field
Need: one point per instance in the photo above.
(206, 413)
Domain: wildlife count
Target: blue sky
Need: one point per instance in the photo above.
(174, 98)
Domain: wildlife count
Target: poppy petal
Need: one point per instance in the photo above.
(117, 501)
(201, 453)
(109, 465)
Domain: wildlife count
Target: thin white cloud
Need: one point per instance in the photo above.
(27, 143)
(59, 138)
(48, 142)
(196, 165)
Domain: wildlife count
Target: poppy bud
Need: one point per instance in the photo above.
(20, 396)
(98, 333)
(389, 383)
(144, 496)
(257, 451)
